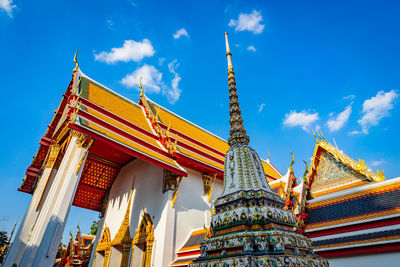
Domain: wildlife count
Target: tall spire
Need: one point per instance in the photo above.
(251, 225)
(237, 131)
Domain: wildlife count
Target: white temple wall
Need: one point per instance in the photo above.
(171, 225)
(191, 206)
(369, 260)
(147, 194)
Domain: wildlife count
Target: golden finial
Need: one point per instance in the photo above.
(291, 163)
(319, 135)
(322, 136)
(140, 86)
(305, 174)
(77, 226)
(12, 232)
(76, 62)
(70, 234)
(316, 139)
(269, 155)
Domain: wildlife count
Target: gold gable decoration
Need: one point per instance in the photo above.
(337, 154)
(164, 136)
(104, 246)
(123, 237)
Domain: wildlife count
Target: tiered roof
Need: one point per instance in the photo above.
(124, 130)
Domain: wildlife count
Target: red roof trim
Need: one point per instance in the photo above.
(201, 153)
(192, 140)
(117, 118)
(189, 253)
(127, 150)
(123, 133)
(190, 162)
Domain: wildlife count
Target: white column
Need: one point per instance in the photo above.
(164, 244)
(46, 235)
(24, 232)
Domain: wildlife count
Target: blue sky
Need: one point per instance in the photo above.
(299, 65)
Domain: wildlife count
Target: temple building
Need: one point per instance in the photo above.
(154, 177)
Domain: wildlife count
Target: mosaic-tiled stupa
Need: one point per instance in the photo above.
(250, 226)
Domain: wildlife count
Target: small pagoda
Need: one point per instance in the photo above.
(250, 225)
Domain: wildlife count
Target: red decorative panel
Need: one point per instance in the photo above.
(97, 177)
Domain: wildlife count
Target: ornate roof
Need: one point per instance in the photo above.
(124, 130)
(359, 167)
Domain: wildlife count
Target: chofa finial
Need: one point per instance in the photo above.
(140, 86)
(316, 139)
(76, 61)
(291, 163)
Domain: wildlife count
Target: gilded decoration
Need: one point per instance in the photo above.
(53, 154)
(208, 184)
(287, 192)
(144, 239)
(123, 238)
(355, 167)
(164, 136)
(104, 246)
(171, 181)
(175, 194)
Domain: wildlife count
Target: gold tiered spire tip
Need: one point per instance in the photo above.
(237, 131)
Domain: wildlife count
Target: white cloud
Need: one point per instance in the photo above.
(350, 97)
(161, 61)
(261, 107)
(336, 123)
(355, 132)
(251, 48)
(376, 108)
(303, 119)
(376, 163)
(174, 92)
(130, 51)
(180, 33)
(248, 22)
(8, 7)
(151, 79)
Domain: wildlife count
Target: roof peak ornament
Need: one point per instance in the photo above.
(140, 86)
(237, 131)
(76, 62)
